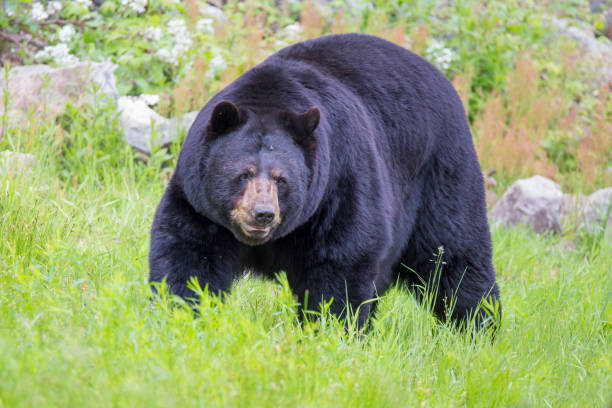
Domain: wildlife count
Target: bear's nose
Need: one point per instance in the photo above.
(264, 215)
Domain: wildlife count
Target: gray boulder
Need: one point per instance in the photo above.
(144, 128)
(588, 211)
(598, 208)
(597, 52)
(44, 90)
(573, 206)
(536, 202)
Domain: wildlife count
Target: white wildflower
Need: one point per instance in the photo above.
(65, 33)
(178, 30)
(439, 55)
(38, 12)
(10, 12)
(205, 25)
(153, 34)
(280, 44)
(290, 34)
(42, 54)
(138, 6)
(54, 7)
(85, 3)
(177, 26)
(293, 32)
(59, 53)
(216, 65)
(165, 55)
(180, 48)
(359, 7)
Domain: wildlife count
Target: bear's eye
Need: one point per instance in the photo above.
(281, 181)
(245, 176)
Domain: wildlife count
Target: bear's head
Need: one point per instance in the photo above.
(258, 169)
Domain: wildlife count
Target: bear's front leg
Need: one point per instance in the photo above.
(184, 245)
(349, 287)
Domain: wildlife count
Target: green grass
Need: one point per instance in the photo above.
(77, 326)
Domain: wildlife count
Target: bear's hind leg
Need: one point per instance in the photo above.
(465, 292)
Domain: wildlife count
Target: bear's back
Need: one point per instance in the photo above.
(411, 105)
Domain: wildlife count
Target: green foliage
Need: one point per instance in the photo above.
(559, 150)
(79, 326)
(91, 142)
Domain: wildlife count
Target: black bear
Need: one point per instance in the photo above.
(345, 161)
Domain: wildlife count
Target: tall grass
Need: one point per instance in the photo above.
(78, 326)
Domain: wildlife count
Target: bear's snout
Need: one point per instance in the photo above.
(257, 212)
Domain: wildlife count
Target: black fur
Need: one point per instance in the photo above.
(388, 176)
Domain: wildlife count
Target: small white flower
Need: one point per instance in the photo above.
(65, 33)
(290, 34)
(439, 55)
(42, 54)
(54, 7)
(180, 49)
(38, 12)
(59, 53)
(205, 25)
(280, 44)
(178, 30)
(10, 12)
(177, 26)
(293, 31)
(218, 62)
(153, 34)
(164, 55)
(84, 3)
(138, 6)
(216, 65)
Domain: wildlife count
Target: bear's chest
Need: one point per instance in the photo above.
(268, 260)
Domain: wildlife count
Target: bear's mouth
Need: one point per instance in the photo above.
(256, 231)
(254, 235)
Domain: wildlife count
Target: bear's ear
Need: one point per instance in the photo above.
(309, 121)
(302, 128)
(225, 116)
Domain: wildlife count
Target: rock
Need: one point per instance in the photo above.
(150, 100)
(607, 30)
(598, 208)
(13, 163)
(536, 201)
(44, 90)
(588, 211)
(144, 128)
(599, 53)
(490, 198)
(139, 122)
(214, 12)
(597, 6)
